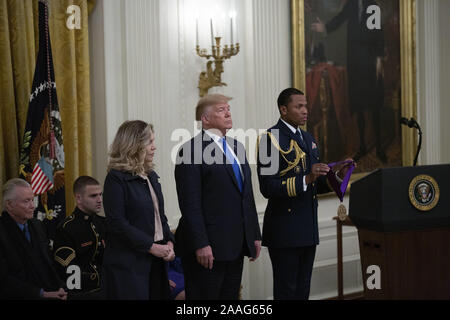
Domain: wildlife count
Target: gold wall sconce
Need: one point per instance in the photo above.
(212, 77)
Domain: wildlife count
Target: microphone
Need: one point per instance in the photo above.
(412, 123)
(404, 121)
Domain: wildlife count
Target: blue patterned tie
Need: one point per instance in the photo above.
(235, 165)
(26, 232)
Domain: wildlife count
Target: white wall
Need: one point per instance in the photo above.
(144, 66)
(444, 27)
(433, 75)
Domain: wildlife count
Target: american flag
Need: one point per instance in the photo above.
(42, 178)
(42, 152)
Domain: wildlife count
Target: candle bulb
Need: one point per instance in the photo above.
(212, 33)
(232, 31)
(196, 32)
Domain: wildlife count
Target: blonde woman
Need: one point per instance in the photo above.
(139, 241)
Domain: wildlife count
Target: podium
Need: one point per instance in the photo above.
(403, 221)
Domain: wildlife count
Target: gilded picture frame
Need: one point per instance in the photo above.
(407, 78)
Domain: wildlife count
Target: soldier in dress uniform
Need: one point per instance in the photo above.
(79, 241)
(290, 177)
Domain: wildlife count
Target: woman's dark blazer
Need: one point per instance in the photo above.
(130, 225)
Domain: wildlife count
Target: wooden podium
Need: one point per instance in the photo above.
(403, 221)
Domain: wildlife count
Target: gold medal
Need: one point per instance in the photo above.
(297, 170)
(342, 212)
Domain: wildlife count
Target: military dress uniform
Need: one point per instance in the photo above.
(290, 229)
(80, 241)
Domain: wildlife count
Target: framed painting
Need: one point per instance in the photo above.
(355, 60)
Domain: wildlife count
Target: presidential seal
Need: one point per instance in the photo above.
(424, 193)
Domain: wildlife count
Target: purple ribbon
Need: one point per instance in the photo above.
(340, 188)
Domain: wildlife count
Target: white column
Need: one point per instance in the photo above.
(268, 58)
(267, 65)
(444, 24)
(108, 94)
(142, 34)
(429, 87)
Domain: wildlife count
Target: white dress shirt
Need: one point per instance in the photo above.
(218, 140)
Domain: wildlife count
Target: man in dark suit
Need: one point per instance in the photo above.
(3, 264)
(219, 223)
(290, 176)
(365, 52)
(29, 270)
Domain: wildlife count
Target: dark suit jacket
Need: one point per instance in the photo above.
(363, 48)
(214, 211)
(130, 229)
(3, 265)
(28, 266)
(290, 218)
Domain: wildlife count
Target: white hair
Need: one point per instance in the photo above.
(9, 189)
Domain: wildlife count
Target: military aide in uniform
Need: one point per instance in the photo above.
(79, 240)
(290, 176)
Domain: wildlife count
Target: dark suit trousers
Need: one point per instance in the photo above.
(292, 270)
(223, 282)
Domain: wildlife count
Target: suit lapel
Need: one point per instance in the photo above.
(16, 234)
(153, 177)
(284, 128)
(247, 176)
(294, 137)
(308, 142)
(242, 158)
(36, 239)
(213, 152)
(229, 167)
(218, 156)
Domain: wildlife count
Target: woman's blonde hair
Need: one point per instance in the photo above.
(128, 150)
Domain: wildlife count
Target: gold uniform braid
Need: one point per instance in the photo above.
(299, 154)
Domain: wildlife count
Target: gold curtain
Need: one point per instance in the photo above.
(19, 36)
